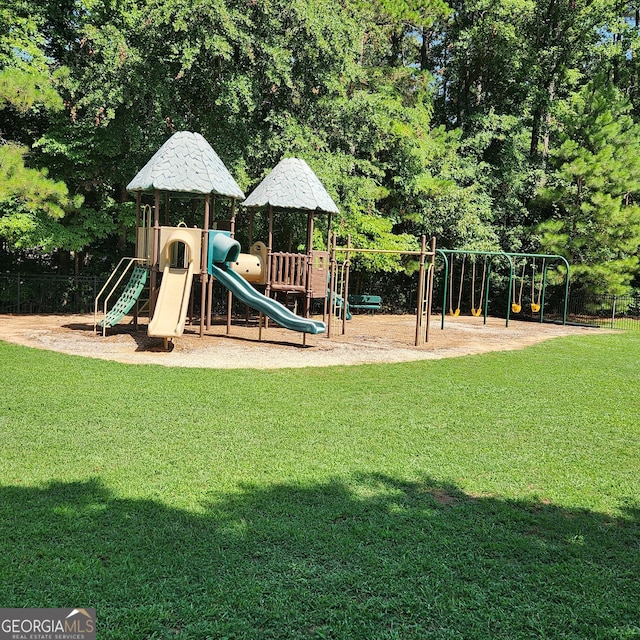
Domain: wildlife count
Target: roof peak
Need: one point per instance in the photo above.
(186, 163)
(292, 184)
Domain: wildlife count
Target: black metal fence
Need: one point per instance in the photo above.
(607, 311)
(24, 293)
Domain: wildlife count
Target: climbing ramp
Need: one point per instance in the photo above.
(129, 297)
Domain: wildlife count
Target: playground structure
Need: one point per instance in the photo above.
(515, 287)
(179, 254)
(171, 261)
(173, 257)
(185, 166)
(339, 285)
(223, 263)
(300, 277)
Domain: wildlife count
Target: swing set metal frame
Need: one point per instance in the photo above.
(510, 257)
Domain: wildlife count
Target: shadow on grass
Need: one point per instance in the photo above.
(370, 558)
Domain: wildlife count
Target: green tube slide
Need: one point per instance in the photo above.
(271, 308)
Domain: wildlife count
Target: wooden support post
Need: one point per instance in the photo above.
(232, 229)
(419, 337)
(203, 263)
(153, 284)
(308, 267)
(430, 275)
(191, 310)
(209, 300)
(136, 308)
(332, 287)
(327, 294)
(138, 202)
(345, 293)
(267, 289)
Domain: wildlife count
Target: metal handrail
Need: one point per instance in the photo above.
(115, 286)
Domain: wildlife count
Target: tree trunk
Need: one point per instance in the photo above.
(541, 115)
(424, 51)
(547, 122)
(535, 132)
(396, 57)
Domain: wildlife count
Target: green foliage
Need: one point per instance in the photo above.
(420, 117)
(482, 58)
(23, 90)
(496, 149)
(451, 200)
(592, 196)
(30, 202)
(29, 186)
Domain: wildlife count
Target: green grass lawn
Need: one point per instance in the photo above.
(493, 496)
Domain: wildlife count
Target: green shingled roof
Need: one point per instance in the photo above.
(292, 185)
(186, 163)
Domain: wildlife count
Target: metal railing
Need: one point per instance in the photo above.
(607, 311)
(28, 293)
(128, 262)
(43, 293)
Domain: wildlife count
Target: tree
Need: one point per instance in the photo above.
(593, 193)
(30, 201)
(419, 117)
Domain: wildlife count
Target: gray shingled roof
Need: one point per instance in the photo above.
(292, 185)
(186, 163)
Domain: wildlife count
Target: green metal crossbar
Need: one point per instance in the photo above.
(128, 298)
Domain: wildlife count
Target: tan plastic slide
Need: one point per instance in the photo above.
(170, 313)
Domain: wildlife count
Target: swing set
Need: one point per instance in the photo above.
(516, 307)
(475, 311)
(515, 287)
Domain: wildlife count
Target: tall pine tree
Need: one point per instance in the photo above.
(593, 194)
(30, 201)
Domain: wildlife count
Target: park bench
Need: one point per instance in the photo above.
(368, 303)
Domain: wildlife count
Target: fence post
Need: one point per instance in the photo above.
(613, 311)
(18, 305)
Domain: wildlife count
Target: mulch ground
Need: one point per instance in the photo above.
(369, 339)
